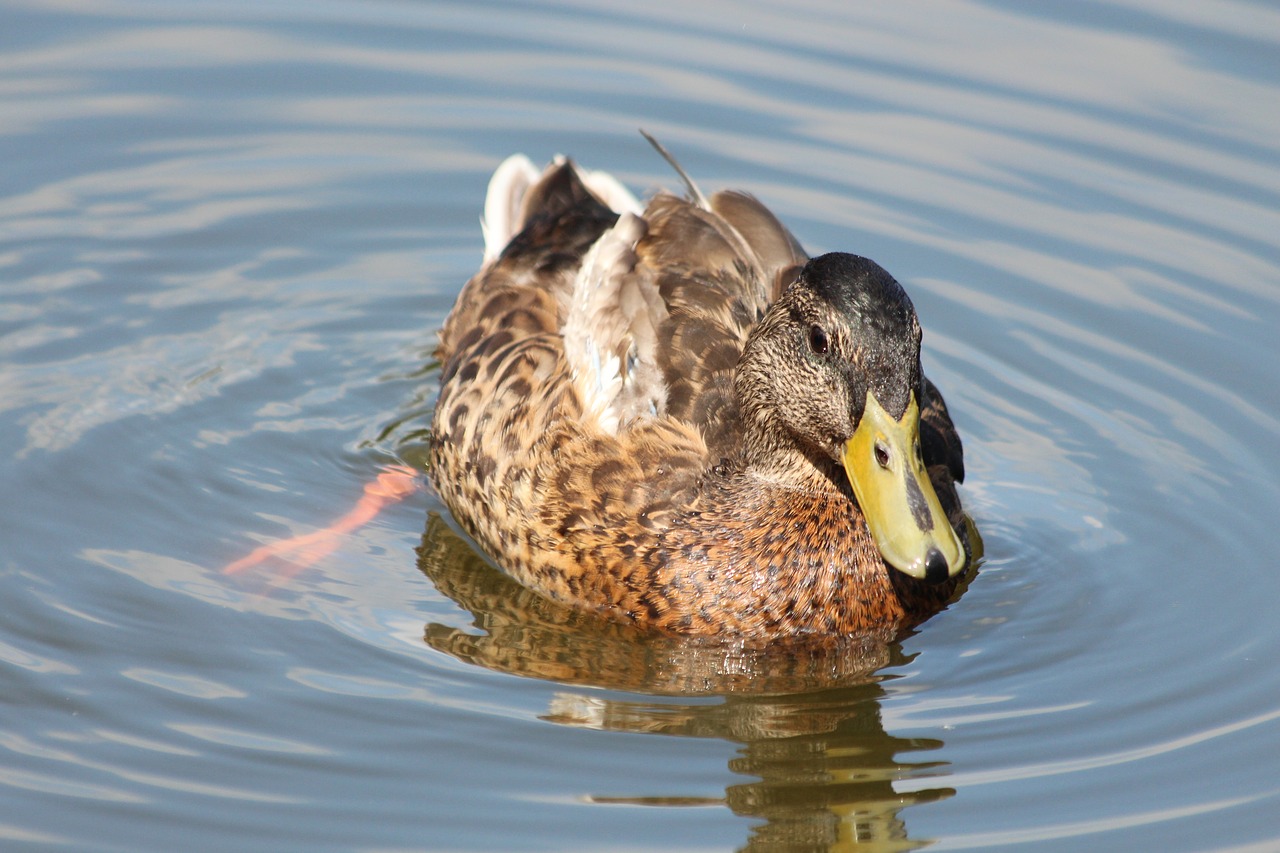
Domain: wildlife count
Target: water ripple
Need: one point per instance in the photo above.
(232, 227)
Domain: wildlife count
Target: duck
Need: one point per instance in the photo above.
(669, 414)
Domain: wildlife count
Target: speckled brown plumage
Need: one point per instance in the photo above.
(710, 511)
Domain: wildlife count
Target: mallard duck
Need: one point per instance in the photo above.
(669, 414)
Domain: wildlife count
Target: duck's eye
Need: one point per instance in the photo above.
(818, 340)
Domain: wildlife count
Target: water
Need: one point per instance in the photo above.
(229, 230)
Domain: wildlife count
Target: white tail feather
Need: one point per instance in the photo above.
(503, 215)
(610, 190)
(507, 187)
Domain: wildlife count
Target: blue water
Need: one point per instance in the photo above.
(229, 231)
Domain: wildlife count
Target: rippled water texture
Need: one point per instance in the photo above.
(228, 232)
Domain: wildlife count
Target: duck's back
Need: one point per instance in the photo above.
(587, 368)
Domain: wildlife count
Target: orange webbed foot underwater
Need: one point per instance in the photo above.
(301, 552)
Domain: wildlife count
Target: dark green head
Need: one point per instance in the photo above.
(873, 315)
(842, 328)
(833, 370)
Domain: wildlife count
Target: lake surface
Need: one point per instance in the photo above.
(229, 231)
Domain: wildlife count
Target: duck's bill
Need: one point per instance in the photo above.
(885, 466)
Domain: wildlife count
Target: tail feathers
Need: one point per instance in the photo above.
(514, 189)
(507, 188)
(610, 190)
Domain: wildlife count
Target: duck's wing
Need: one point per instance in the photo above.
(716, 270)
(939, 440)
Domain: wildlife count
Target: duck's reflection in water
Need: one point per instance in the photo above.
(805, 714)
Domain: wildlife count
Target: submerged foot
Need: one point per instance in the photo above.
(300, 552)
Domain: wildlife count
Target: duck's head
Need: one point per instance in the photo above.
(833, 369)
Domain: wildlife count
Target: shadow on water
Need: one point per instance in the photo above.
(805, 716)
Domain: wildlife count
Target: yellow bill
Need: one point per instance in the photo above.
(885, 466)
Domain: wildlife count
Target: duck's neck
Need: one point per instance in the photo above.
(770, 451)
(773, 457)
